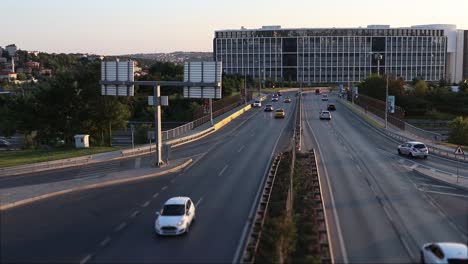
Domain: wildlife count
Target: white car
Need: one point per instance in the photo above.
(324, 97)
(413, 149)
(257, 103)
(175, 217)
(444, 253)
(325, 115)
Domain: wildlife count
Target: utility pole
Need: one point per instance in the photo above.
(157, 124)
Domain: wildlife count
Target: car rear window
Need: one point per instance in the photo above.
(419, 146)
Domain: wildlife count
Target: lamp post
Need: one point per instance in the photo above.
(378, 57)
(386, 103)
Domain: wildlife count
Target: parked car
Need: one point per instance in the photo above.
(5, 145)
(257, 104)
(280, 113)
(287, 99)
(331, 107)
(324, 97)
(269, 108)
(445, 252)
(176, 216)
(325, 115)
(413, 149)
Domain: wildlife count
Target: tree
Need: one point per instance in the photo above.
(459, 131)
(463, 86)
(421, 88)
(21, 76)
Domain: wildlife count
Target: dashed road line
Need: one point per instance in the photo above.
(222, 171)
(134, 214)
(199, 201)
(173, 180)
(104, 242)
(155, 195)
(444, 193)
(145, 204)
(120, 227)
(241, 148)
(86, 259)
(438, 186)
(163, 188)
(359, 168)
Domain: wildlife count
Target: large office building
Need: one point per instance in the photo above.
(342, 55)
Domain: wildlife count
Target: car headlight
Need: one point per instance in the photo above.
(157, 224)
(181, 222)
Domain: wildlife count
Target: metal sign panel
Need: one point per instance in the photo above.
(459, 151)
(391, 104)
(203, 71)
(117, 71)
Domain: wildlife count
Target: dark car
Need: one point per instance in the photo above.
(5, 144)
(269, 108)
(331, 107)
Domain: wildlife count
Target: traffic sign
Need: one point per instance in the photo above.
(459, 151)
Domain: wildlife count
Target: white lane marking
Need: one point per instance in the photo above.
(145, 204)
(134, 214)
(414, 166)
(155, 195)
(444, 193)
(199, 201)
(345, 148)
(241, 148)
(222, 171)
(163, 188)
(243, 236)
(104, 242)
(438, 186)
(120, 227)
(173, 180)
(332, 198)
(359, 168)
(86, 259)
(137, 163)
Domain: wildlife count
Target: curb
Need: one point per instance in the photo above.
(92, 186)
(439, 180)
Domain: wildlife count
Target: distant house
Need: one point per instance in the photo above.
(24, 70)
(45, 72)
(7, 75)
(3, 60)
(33, 64)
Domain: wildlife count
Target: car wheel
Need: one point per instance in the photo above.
(399, 152)
(411, 155)
(425, 157)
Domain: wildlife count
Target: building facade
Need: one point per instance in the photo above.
(336, 55)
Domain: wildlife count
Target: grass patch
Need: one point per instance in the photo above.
(20, 157)
(368, 119)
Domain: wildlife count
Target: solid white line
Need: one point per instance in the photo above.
(241, 148)
(438, 186)
(104, 242)
(359, 168)
(145, 204)
(135, 214)
(120, 227)
(222, 171)
(137, 163)
(449, 194)
(85, 259)
(333, 210)
(163, 188)
(199, 201)
(250, 218)
(155, 195)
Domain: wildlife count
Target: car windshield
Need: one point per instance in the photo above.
(173, 209)
(419, 146)
(279, 111)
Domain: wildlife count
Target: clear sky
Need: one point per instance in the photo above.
(113, 27)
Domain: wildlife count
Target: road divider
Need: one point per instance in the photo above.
(94, 186)
(459, 182)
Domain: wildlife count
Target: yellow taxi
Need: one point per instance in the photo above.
(280, 113)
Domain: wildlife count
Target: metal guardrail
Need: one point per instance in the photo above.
(428, 135)
(320, 220)
(10, 171)
(255, 233)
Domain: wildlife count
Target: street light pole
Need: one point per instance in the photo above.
(157, 124)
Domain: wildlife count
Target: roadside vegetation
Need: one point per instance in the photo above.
(425, 101)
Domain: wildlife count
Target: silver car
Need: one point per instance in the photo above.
(325, 115)
(444, 253)
(413, 149)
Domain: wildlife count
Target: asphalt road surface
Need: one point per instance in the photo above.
(378, 209)
(115, 224)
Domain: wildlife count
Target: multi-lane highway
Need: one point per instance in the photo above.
(115, 224)
(378, 209)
